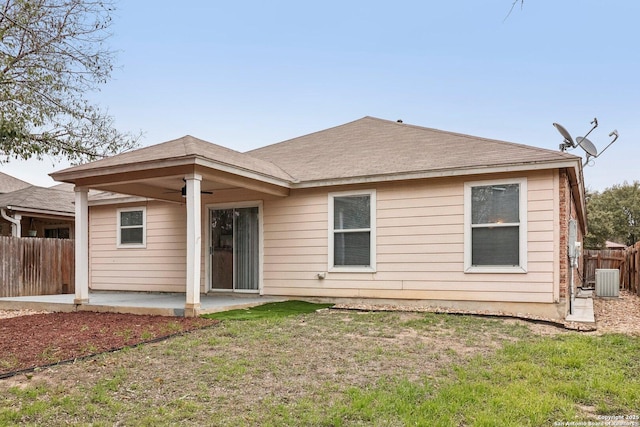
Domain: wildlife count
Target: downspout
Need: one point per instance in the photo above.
(15, 222)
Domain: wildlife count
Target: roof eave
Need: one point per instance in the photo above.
(71, 176)
(40, 211)
(442, 173)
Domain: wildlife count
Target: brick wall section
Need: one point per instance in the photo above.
(565, 195)
(567, 212)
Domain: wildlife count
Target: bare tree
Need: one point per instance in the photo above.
(52, 54)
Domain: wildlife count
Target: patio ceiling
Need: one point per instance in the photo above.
(164, 180)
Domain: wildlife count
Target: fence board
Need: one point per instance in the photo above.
(34, 266)
(626, 260)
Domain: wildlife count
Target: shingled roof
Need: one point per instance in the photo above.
(39, 198)
(9, 183)
(365, 149)
(188, 147)
(371, 147)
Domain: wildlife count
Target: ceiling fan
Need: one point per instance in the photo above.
(183, 190)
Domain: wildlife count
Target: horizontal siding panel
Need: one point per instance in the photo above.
(296, 200)
(460, 276)
(295, 259)
(297, 217)
(424, 229)
(296, 243)
(513, 286)
(540, 247)
(141, 283)
(413, 201)
(413, 295)
(425, 267)
(332, 284)
(540, 257)
(277, 290)
(138, 253)
(150, 274)
(416, 285)
(294, 275)
(534, 226)
(289, 251)
(422, 191)
(294, 235)
(539, 194)
(425, 249)
(391, 239)
(541, 216)
(166, 240)
(540, 236)
(542, 205)
(297, 226)
(446, 295)
(318, 267)
(169, 262)
(414, 221)
(419, 258)
(155, 287)
(395, 212)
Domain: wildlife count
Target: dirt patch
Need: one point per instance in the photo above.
(613, 315)
(41, 339)
(618, 315)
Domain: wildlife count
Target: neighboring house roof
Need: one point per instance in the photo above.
(373, 147)
(9, 183)
(39, 200)
(614, 245)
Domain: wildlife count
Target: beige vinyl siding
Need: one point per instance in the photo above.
(420, 245)
(158, 267)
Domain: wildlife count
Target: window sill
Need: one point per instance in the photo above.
(131, 246)
(496, 269)
(352, 270)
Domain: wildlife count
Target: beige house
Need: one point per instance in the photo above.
(371, 209)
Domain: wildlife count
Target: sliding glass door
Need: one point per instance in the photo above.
(235, 248)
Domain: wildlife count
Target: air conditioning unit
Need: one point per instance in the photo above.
(607, 282)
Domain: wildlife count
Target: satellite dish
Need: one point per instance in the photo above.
(587, 146)
(568, 141)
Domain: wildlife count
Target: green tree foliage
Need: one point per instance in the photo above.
(52, 54)
(613, 215)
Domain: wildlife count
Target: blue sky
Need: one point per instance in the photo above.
(246, 74)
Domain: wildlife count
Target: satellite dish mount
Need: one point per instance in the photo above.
(589, 148)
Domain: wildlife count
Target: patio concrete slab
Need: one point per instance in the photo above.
(163, 304)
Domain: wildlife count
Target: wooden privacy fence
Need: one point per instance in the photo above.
(34, 266)
(626, 260)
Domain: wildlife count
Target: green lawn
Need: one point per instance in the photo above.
(287, 365)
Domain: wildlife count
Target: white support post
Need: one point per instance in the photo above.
(82, 245)
(194, 242)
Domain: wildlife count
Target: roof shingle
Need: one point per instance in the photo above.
(374, 147)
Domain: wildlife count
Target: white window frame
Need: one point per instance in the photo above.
(371, 268)
(144, 228)
(522, 205)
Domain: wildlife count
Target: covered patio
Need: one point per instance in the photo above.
(160, 303)
(179, 172)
